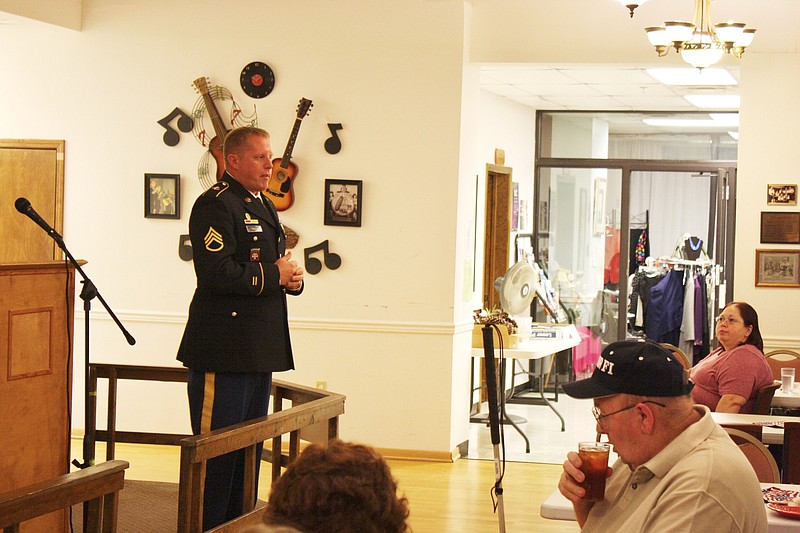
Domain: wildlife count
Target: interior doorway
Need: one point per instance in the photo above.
(608, 220)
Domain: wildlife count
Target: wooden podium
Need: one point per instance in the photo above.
(36, 317)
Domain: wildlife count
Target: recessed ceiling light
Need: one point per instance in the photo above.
(692, 76)
(714, 101)
(729, 119)
(715, 120)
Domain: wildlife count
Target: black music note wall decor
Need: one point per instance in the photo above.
(333, 144)
(314, 265)
(185, 124)
(185, 247)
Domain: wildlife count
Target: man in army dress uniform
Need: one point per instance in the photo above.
(237, 333)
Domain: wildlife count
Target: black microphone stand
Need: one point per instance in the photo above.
(88, 293)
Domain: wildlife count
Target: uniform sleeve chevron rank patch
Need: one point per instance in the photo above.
(213, 240)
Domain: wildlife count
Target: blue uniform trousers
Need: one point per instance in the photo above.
(216, 400)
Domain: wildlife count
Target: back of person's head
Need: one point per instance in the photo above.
(341, 488)
(750, 318)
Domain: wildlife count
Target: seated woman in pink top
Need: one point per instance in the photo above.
(728, 379)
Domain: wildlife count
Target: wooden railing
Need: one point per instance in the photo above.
(309, 407)
(113, 373)
(98, 485)
(303, 412)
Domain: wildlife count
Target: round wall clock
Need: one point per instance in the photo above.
(257, 79)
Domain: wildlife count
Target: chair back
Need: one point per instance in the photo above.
(680, 354)
(790, 458)
(763, 402)
(777, 359)
(756, 430)
(758, 455)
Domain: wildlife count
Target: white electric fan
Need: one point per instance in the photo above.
(516, 290)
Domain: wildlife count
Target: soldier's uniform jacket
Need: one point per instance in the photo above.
(237, 319)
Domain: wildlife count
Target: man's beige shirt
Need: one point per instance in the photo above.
(701, 482)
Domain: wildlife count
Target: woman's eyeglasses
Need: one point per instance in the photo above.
(727, 320)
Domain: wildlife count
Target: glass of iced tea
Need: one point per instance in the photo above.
(594, 459)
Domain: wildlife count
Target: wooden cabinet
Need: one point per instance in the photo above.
(36, 311)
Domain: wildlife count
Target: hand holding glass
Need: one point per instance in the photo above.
(594, 465)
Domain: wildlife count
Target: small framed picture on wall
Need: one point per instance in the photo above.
(162, 196)
(781, 194)
(777, 268)
(343, 202)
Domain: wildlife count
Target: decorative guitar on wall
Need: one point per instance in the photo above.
(284, 171)
(220, 131)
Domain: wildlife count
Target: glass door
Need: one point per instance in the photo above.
(578, 249)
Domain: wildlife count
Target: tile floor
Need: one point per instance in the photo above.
(542, 427)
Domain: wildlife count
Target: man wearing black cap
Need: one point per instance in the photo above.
(677, 469)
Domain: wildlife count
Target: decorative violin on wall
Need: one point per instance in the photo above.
(220, 131)
(284, 171)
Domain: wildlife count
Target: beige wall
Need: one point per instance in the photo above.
(768, 145)
(380, 329)
(390, 328)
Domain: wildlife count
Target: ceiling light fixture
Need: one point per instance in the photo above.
(631, 5)
(700, 43)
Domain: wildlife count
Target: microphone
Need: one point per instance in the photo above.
(25, 207)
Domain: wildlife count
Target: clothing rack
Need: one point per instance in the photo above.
(671, 262)
(637, 223)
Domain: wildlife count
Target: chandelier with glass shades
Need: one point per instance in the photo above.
(700, 43)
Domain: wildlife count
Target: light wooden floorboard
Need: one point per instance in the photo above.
(443, 497)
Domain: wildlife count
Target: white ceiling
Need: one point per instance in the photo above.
(593, 87)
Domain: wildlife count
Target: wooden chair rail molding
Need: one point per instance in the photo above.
(99, 485)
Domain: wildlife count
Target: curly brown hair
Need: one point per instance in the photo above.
(341, 488)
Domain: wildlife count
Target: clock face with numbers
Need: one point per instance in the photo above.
(257, 79)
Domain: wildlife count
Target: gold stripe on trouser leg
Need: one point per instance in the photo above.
(208, 409)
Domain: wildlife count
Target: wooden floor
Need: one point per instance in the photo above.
(443, 497)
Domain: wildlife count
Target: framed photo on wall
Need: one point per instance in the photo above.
(162, 196)
(781, 194)
(343, 203)
(777, 268)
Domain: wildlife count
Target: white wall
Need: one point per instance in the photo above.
(768, 140)
(380, 329)
(390, 328)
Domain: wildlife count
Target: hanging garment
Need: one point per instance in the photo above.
(611, 260)
(639, 248)
(702, 345)
(687, 322)
(662, 321)
(643, 281)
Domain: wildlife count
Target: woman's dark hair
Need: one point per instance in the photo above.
(341, 488)
(750, 318)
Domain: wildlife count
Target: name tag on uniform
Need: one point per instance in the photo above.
(255, 255)
(254, 229)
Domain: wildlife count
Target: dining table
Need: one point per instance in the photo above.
(787, 398)
(557, 507)
(772, 425)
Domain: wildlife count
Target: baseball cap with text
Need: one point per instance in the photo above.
(640, 367)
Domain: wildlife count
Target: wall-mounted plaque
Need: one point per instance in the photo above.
(780, 228)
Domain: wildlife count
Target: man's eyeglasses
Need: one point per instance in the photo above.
(598, 415)
(728, 320)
